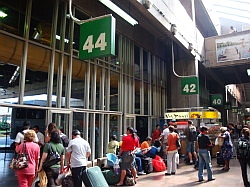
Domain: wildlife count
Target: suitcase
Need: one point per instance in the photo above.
(93, 177)
(111, 177)
(147, 165)
(220, 160)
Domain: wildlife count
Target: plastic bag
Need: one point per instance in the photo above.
(117, 168)
(35, 181)
(62, 175)
(158, 164)
(219, 141)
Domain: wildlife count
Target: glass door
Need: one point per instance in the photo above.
(129, 121)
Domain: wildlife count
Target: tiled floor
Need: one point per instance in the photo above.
(185, 176)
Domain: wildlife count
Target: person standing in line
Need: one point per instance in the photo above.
(226, 148)
(156, 133)
(77, 155)
(204, 145)
(53, 171)
(172, 150)
(244, 161)
(128, 147)
(25, 176)
(191, 138)
(40, 135)
(20, 135)
(164, 138)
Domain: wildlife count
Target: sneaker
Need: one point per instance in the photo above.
(141, 173)
(167, 173)
(200, 180)
(172, 173)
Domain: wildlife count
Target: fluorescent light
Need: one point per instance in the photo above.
(119, 11)
(248, 72)
(2, 14)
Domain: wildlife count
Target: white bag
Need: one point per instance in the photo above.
(219, 141)
(61, 176)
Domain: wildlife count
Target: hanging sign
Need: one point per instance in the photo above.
(189, 85)
(97, 38)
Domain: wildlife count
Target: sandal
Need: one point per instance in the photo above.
(119, 184)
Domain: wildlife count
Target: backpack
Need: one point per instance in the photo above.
(192, 135)
(65, 140)
(243, 149)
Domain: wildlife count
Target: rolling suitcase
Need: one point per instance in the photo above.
(219, 159)
(93, 177)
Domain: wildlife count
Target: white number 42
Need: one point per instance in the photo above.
(100, 43)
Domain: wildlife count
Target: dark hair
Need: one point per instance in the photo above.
(148, 138)
(26, 125)
(52, 127)
(36, 127)
(203, 129)
(113, 137)
(190, 122)
(76, 132)
(55, 137)
(171, 128)
(245, 132)
(131, 131)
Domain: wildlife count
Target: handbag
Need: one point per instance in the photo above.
(52, 158)
(20, 160)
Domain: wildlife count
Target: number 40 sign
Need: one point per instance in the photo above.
(97, 38)
(189, 85)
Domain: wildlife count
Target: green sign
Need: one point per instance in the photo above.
(234, 109)
(228, 105)
(97, 38)
(216, 100)
(189, 85)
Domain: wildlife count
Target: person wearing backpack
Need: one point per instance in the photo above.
(191, 138)
(243, 154)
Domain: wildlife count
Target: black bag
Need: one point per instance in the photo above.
(147, 165)
(52, 158)
(220, 161)
(68, 181)
(243, 149)
(20, 160)
(64, 139)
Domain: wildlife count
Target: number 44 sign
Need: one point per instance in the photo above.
(189, 85)
(97, 38)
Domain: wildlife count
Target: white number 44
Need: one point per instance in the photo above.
(100, 43)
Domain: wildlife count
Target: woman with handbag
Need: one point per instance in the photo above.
(226, 148)
(53, 166)
(26, 175)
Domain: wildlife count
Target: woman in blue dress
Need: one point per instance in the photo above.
(226, 148)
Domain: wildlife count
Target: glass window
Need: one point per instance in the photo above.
(14, 16)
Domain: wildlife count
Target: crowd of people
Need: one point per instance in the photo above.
(130, 151)
(74, 152)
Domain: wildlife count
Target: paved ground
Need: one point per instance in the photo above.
(185, 176)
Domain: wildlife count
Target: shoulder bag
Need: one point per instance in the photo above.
(20, 160)
(52, 158)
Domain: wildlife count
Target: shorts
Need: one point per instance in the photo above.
(190, 148)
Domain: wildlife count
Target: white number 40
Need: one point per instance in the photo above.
(100, 43)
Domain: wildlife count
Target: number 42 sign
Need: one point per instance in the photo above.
(189, 85)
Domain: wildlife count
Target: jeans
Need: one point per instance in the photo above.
(243, 166)
(171, 162)
(205, 159)
(77, 175)
(138, 163)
